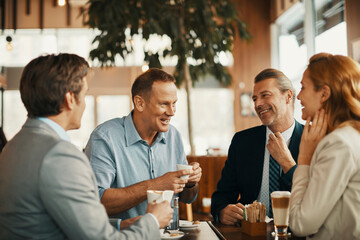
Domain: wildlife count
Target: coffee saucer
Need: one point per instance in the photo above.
(174, 234)
(183, 224)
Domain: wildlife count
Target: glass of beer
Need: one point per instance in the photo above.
(280, 201)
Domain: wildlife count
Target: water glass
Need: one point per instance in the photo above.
(174, 224)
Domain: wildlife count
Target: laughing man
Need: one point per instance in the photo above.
(255, 152)
(139, 152)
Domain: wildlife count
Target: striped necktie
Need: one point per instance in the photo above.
(274, 176)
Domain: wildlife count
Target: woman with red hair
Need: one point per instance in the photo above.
(325, 197)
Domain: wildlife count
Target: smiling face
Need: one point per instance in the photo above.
(160, 106)
(310, 100)
(274, 108)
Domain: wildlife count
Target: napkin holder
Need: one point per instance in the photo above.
(253, 229)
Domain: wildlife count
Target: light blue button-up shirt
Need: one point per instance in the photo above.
(120, 157)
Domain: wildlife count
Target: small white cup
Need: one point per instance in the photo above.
(159, 196)
(183, 166)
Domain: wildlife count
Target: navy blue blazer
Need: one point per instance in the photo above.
(242, 173)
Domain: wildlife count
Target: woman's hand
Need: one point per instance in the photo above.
(311, 136)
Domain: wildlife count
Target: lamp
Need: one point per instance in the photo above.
(61, 2)
(9, 45)
(145, 67)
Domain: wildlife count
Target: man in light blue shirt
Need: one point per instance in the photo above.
(139, 152)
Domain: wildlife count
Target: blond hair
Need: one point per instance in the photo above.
(342, 75)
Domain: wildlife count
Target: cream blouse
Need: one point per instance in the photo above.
(325, 197)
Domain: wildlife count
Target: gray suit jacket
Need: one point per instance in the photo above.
(48, 191)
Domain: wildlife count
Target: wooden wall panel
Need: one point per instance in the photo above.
(250, 57)
(278, 7)
(53, 16)
(30, 20)
(352, 18)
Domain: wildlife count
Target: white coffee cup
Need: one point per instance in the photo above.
(159, 196)
(280, 201)
(183, 166)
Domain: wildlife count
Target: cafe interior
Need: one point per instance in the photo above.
(284, 35)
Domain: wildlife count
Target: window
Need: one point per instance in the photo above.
(80, 137)
(109, 107)
(308, 27)
(212, 116)
(15, 113)
(15, 116)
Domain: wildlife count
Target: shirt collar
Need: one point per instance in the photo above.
(56, 127)
(161, 137)
(285, 134)
(132, 136)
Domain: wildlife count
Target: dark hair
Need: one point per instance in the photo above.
(283, 81)
(143, 83)
(46, 79)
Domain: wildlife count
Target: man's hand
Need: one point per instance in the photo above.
(196, 176)
(126, 223)
(279, 150)
(231, 214)
(172, 181)
(311, 136)
(162, 211)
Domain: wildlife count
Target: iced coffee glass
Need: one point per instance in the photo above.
(280, 201)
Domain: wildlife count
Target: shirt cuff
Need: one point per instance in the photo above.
(118, 224)
(101, 191)
(157, 222)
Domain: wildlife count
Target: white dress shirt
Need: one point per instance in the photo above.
(264, 190)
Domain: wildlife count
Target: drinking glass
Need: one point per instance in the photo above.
(280, 201)
(174, 224)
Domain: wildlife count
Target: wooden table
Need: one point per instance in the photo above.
(205, 232)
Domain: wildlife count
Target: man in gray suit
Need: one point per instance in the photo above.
(47, 187)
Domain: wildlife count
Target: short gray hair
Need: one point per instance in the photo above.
(283, 82)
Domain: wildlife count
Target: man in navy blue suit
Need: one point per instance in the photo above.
(245, 176)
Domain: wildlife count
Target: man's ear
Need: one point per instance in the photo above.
(139, 103)
(70, 100)
(326, 93)
(289, 96)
